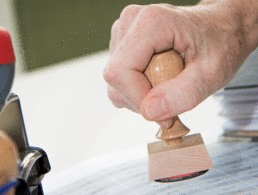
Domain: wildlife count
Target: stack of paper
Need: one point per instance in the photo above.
(240, 100)
(240, 109)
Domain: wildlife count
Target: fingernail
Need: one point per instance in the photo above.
(156, 108)
(166, 124)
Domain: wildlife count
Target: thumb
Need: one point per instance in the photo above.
(178, 95)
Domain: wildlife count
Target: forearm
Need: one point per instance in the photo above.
(242, 13)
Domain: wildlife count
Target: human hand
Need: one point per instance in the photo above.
(211, 39)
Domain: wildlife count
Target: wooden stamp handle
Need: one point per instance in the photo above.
(162, 67)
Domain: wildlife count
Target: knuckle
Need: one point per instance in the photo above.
(118, 102)
(117, 105)
(111, 46)
(115, 98)
(128, 11)
(115, 25)
(151, 10)
(151, 16)
(112, 95)
(147, 19)
(168, 5)
(111, 77)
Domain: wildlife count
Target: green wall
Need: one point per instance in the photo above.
(54, 31)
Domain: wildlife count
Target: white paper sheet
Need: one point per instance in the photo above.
(235, 172)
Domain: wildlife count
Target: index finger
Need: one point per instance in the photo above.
(124, 72)
(125, 68)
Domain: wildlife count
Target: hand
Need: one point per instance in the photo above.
(209, 38)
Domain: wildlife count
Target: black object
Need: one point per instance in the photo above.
(34, 162)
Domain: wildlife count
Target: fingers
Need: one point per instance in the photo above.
(135, 37)
(127, 18)
(130, 83)
(118, 100)
(181, 94)
(114, 36)
(141, 39)
(210, 54)
(118, 31)
(121, 25)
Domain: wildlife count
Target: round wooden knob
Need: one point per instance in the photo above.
(163, 67)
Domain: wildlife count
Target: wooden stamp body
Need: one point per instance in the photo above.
(177, 154)
(188, 157)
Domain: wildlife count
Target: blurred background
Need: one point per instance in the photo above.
(52, 31)
(61, 48)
